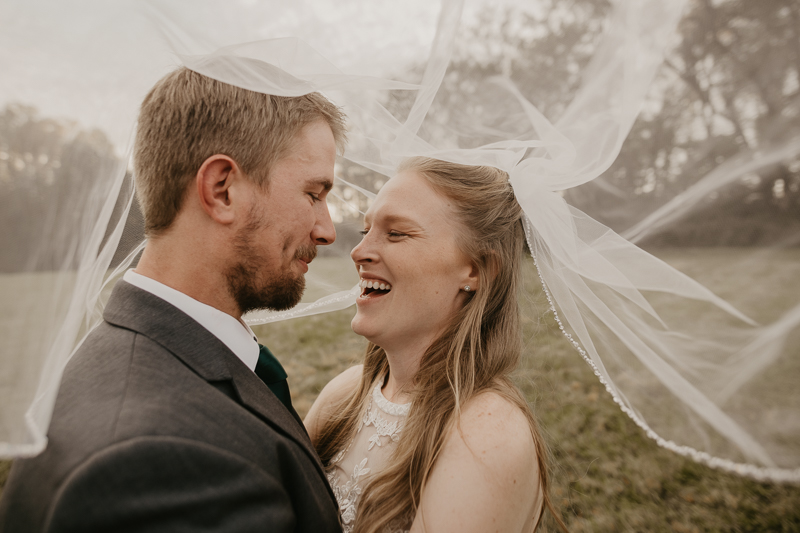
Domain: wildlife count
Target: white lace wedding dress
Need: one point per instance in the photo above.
(375, 438)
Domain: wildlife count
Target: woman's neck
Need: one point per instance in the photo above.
(403, 366)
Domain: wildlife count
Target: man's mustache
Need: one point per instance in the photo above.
(306, 253)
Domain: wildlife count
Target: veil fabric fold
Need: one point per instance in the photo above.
(684, 363)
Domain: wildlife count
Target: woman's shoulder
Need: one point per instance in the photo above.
(496, 428)
(486, 477)
(331, 395)
(342, 385)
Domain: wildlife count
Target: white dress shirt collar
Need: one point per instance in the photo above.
(233, 333)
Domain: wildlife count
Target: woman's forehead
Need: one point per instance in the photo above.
(409, 197)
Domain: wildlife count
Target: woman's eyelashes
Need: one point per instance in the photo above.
(391, 233)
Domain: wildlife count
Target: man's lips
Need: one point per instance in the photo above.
(305, 255)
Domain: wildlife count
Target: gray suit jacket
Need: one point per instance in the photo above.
(158, 427)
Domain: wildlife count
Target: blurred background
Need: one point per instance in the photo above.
(708, 180)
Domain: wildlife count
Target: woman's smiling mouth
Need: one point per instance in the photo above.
(372, 287)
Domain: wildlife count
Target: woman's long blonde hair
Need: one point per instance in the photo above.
(476, 353)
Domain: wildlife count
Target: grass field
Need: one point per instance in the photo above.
(606, 474)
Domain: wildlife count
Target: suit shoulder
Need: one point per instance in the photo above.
(163, 481)
(159, 449)
(104, 345)
(106, 335)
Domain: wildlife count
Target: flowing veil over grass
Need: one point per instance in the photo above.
(653, 145)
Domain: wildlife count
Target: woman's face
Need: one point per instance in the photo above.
(409, 249)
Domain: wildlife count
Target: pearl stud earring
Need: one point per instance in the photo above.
(467, 288)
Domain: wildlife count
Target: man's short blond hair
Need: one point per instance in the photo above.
(188, 117)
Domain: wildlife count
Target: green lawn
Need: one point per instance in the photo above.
(607, 476)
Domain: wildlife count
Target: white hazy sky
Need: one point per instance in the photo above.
(92, 61)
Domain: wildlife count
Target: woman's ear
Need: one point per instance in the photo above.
(492, 263)
(471, 282)
(213, 181)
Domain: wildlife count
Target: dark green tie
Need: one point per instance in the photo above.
(273, 375)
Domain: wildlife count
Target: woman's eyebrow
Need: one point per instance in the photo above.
(393, 218)
(390, 218)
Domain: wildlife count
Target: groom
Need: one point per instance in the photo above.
(170, 417)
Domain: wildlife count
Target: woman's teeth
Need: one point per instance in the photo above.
(374, 284)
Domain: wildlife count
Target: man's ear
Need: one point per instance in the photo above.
(213, 181)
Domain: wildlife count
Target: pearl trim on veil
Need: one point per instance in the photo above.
(758, 473)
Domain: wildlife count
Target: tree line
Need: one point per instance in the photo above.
(728, 89)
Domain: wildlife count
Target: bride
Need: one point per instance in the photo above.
(430, 433)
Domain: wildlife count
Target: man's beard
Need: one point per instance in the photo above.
(254, 288)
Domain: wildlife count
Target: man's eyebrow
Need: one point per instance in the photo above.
(325, 183)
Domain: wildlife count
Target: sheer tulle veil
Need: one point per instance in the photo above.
(706, 368)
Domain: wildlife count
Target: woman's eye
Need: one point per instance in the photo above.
(364, 232)
(314, 196)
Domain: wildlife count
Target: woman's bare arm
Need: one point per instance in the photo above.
(335, 391)
(487, 477)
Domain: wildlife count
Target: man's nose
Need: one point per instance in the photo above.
(324, 231)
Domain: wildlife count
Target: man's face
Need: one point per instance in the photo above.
(285, 224)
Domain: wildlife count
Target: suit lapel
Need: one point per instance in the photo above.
(260, 400)
(138, 310)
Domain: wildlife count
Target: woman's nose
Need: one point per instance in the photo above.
(363, 251)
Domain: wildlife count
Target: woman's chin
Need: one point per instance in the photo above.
(359, 326)
(362, 327)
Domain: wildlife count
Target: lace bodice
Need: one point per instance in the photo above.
(366, 454)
